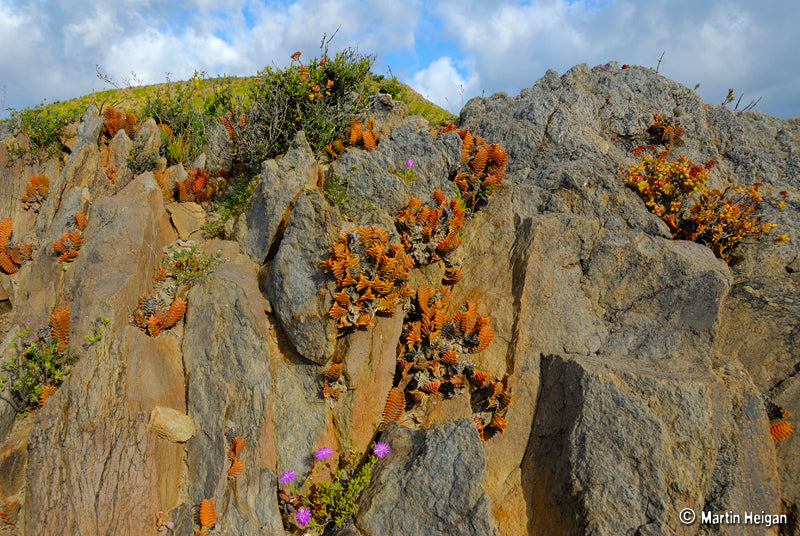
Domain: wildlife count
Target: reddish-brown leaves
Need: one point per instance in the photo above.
(10, 512)
(11, 256)
(207, 515)
(333, 373)
(59, 327)
(781, 430)
(395, 403)
(236, 469)
(47, 392)
(116, 120)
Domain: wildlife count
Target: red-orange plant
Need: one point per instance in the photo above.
(720, 223)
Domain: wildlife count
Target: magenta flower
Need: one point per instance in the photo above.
(381, 449)
(323, 454)
(303, 516)
(409, 163)
(286, 477)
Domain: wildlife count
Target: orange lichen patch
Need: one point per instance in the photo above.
(35, 192)
(781, 430)
(59, 327)
(207, 516)
(371, 274)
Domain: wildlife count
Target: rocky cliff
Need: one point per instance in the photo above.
(638, 363)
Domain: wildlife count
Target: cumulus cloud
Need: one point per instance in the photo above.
(442, 84)
(450, 50)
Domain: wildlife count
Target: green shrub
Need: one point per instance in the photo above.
(319, 97)
(38, 360)
(43, 127)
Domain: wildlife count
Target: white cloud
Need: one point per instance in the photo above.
(442, 84)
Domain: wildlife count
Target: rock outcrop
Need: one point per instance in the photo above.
(637, 363)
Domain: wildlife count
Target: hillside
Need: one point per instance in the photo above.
(404, 328)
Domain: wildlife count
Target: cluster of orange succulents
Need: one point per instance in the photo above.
(206, 517)
(482, 167)
(69, 243)
(36, 192)
(779, 429)
(196, 186)
(358, 135)
(12, 256)
(237, 466)
(115, 120)
(371, 275)
(433, 359)
(153, 315)
(433, 353)
(9, 512)
(428, 233)
(665, 130)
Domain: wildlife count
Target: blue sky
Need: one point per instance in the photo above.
(448, 50)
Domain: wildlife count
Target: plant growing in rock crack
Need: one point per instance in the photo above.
(98, 325)
(719, 220)
(371, 275)
(70, 242)
(430, 234)
(408, 176)
(481, 169)
(182, 268)
(11, 255)
(42, 127)
(35, 192)
(351, 207)
(434, 359)
(326, 505)
(232, 203)
(39, 363)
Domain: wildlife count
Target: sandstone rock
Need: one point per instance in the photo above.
(281, 182)
(218, 150)
(119, 151)
(230, 395)
(406, 497)
(89, 129)
(171, 424)
(187, 218)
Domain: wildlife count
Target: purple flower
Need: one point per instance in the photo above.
(286, 477)
(323, 454)
(381, 449)
(303, 516)
(409, 163)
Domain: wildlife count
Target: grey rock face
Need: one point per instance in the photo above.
(273, 199)
(408, 494)
(296, 283)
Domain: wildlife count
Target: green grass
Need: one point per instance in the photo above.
(132, 99)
